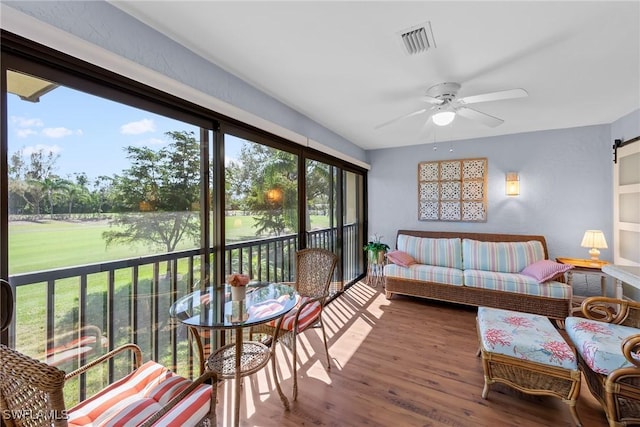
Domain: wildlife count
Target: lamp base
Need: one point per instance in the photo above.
(595, 254)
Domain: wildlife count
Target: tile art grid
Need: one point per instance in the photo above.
(453, 190)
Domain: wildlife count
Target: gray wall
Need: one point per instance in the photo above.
(106, 26)
(565, 186)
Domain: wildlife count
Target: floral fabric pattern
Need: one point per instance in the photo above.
(599, 343)
(524, 336)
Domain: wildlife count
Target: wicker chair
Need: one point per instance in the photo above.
(31, 394)
(314, 271)
(610, 361)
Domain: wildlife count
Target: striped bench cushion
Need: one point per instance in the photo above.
(428, 273)
(517, 283)
(308, 316)
(438, 252)
(134, 398)
(502, 257)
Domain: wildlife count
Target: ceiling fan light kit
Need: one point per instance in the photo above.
(443, 118)
(445, 105)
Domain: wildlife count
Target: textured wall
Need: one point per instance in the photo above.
(565, 186)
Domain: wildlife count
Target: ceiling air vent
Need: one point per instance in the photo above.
(418, 39)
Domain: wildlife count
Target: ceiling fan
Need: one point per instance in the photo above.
(445, 106)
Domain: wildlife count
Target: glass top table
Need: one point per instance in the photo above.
(264, 302)
(213, 308)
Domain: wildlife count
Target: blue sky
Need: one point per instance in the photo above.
(87, 132)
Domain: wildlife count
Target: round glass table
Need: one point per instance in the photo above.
(214, 308)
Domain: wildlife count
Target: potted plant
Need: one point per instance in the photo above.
(238, 284)
(376, 250)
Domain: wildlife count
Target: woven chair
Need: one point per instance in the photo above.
(314, 271)
(607, 341)
(31, 395)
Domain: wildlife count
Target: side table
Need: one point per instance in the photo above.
(586, 267)
(375, 272)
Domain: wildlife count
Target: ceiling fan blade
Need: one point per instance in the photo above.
(406, 116)
(432, 100)
(479, 116)
(493, 96)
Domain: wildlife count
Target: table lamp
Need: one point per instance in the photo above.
(595, 240)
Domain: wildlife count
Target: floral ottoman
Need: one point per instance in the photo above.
(526, 352)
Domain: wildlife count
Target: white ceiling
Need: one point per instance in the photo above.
(343, 65)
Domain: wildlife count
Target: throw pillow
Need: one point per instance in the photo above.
(400, 258)
(545, 270)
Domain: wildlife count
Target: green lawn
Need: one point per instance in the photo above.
(46, 245)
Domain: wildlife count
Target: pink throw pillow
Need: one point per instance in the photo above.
(401, 258)
(545, 270)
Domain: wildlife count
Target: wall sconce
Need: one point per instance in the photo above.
(595, 240)
(512, 184)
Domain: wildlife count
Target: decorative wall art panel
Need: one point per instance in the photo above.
(453, 190)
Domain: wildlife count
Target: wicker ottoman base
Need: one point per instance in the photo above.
(531, 377)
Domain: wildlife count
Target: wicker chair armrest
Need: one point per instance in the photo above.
(630, 346)
(137, 353)
(207, 376)
(609, 310)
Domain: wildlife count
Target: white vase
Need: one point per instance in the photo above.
(238, 293)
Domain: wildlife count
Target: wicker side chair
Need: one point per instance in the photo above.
(314, 271)
(607, 341)
(31, 394)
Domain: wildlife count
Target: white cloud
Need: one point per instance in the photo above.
(27, 151)
(57, 132)
(136, 128)
(24, 122)
(23, 133)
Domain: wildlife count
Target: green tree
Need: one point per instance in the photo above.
(158, 195)
(268, 179)
(52, 185)
(75, 192)
(101, 196)
(27, 180)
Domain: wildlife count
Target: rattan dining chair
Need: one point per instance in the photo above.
(31, 394)
(314, 271)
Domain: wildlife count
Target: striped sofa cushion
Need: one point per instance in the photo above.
(134, 398)
(517, 283)
(308, 316)
(439, 252)
(428, 273)
(502, 257)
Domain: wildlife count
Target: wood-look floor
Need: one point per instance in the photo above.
(403, 362)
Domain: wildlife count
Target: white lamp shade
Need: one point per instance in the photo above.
(594, 239)
(443, 118)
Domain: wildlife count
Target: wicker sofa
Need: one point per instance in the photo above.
(484, 277)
